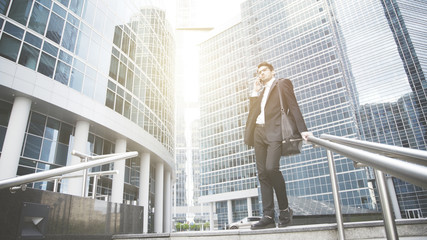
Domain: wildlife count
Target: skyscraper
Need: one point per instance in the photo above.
(350, 78)
(96, 77)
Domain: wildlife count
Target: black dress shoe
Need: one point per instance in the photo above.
(265, 222)
(285, 217)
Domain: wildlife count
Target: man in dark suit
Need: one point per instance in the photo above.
(263, 132)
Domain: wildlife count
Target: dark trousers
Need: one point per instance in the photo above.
(267, 156)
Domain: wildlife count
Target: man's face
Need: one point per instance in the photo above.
(265, 74)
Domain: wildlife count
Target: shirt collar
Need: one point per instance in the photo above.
(269, 83)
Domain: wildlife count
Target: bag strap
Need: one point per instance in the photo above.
(285, 121)
(282, 110)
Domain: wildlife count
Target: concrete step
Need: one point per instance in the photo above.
(408, 229)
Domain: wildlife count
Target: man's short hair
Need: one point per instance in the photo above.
(267, 65)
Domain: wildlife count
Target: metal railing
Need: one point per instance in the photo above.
(404, 163)
(58, 173)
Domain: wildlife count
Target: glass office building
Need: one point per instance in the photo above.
(96, 77)
(357, 71)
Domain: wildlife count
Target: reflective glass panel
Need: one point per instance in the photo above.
(37, 124)
(65, 133)
(114, 67)
(89, 87)
(46, 3)
(82, 45)
(9, 47)
(93, 56)
(5, 109)
(109, 102)
(59, 10)
(54, 30)
(52, 129)
(76, 80)
(76, 6)
(61, 154)
(2, 135)
(4, 4)
(70, 36)
(33, 40)
(48, 151)
(49, 48)
(119, 104)
(39, 18)
(32, 146)
(117, 36)
(46, 65)
(14, 30)
(62, 73)
(64, 2)
(29, 56)
(20, 10)
(89, 11)
(67, 58)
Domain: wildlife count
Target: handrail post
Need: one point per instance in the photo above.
(389, 223)
(84, 178)
(95, 182)
(55, 185)
(335, 193)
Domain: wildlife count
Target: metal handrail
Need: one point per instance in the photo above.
(34, 177)
(411, 167)
(408, 171)
(91, 174)
(408, 154)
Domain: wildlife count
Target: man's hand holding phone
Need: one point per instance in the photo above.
(258, 85)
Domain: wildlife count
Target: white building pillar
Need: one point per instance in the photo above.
(144, 185)
(119, 178)
(211, 216)
(249, 202)
(75, 185)
(158, 205)
(14, 137)
(230, 211)
(167, 203)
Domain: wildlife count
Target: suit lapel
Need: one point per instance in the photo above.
(273, 86)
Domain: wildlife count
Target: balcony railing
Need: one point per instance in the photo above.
(407, 164)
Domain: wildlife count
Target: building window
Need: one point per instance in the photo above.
(19, 11)
(54, 30)
(9, 47)
(38, 20)
(46, 65)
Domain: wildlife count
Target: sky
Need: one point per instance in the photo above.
(205, 14)
(212, 13)
(208, 14)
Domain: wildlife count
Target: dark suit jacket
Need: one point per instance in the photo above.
(272, 112)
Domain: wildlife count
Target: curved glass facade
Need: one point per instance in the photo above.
(123, 61)
(107, 63)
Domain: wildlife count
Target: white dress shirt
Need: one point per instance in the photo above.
(261, 118)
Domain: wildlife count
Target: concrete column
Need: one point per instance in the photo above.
(75, 185)
(144, 185)
(167, 203)
(14, 137)
(229, 211)
(158, 205)
(249, 202)
(119, 179)
(211, 216)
